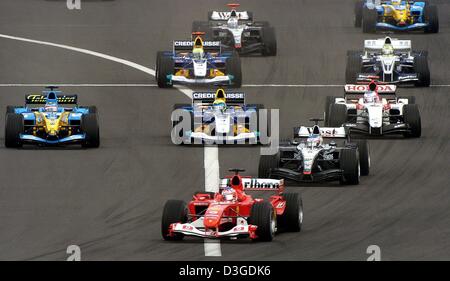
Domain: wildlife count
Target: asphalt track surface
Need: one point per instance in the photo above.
(109, 200)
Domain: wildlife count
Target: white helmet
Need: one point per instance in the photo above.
(233, 22)
(229, 194)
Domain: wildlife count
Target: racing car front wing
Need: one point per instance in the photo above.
(290, 175)
(66, 140)
(387, 26)
(237, 231)
(401, 78)
(218, 80)
(365, 129)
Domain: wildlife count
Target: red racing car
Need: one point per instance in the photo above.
(231, 213)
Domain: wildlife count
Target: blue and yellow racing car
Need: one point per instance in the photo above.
(198, 62)
(44, 120)
(396, 15)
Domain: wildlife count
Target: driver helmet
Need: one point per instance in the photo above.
(370, 97)
(51, 107)
(233, 22)
(198, 53)
(396, 2)
(314, 140)
(219, 105)
(388, 50)
(229, 194)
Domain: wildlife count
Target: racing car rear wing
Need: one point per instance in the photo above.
(377, 45)
(223, 16)
(207, 98)
(42, 99)
(356, 89)
(326, 132)
(187, 45)
(255, 184)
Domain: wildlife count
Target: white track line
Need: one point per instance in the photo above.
(211, 154)
(84, 51)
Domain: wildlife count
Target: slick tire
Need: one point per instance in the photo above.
(353, 66)
(175, 211)
(411, 116)
(267, 163)
(337, 115)
(164, 67)
(432, 18)
(89, 125)
(328, 102)
(263, 216)
(14, 127)
(359, 6)
(364, 156)
(349, 163)
(422, 70)
(270, 41)
(369, 20)
(292, 218)
(234, 68)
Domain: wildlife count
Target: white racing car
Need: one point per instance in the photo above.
(237, 31)
(374, 110)
(308, 158)
(389, 61)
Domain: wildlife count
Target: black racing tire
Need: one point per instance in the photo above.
(329, 100)
(292, 218)
(90, 126)
(175, 211)
(431, 17)
(364, 156)
(164, 67)
(263, 216)
(359, 6)
(210, 15)
(14, 127)
(174, 123)
(250, 16)
(411, 116)
(267, 163)
(369, 20)
(353, 66)
(337, 115)
(11, 108)
(270, 41)
(234, 68)
(349, 163)
(422, 70)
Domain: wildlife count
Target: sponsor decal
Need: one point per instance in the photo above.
(211, 95)
(266, 184)
(191, 43)
(365, 88)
